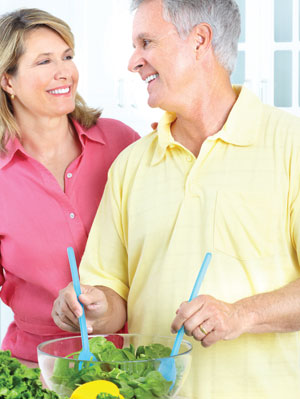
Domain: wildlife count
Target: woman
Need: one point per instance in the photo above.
(54, 156)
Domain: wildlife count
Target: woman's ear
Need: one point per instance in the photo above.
(6, 84)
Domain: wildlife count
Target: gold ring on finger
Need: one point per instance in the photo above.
(202, 329)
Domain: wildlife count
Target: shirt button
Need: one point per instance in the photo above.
(72, 215)
(69, 175)
(189, 158)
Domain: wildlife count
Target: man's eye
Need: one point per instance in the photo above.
(145, 42)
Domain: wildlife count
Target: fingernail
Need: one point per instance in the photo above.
(89, 329)
(77, 313)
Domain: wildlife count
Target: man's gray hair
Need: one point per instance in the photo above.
(222, 15)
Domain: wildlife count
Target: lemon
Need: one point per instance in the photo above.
(91, 389)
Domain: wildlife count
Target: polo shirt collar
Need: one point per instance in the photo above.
(242, 126)
(165, 138)
(240, 129)
(93, 133)
(13, 146)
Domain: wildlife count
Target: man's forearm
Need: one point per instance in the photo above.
(276, 311)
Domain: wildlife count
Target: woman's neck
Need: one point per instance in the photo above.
(53, 143)
(44, 135)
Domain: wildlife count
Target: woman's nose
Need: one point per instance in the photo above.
(63, 71)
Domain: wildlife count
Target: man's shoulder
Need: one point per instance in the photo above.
(281, 132)
(271, 121)
(281, 121)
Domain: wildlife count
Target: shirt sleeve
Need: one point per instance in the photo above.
(2, 278)
(294, 196)
(105, 260)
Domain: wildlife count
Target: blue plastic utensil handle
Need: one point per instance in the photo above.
(74, 271)
(194, 293)
(76, 284)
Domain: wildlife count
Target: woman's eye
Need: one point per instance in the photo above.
(68, 57)
(43, 62)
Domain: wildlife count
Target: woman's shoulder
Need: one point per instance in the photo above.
(111, 132)
(115, 127)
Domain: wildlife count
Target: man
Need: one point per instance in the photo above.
(221, 174)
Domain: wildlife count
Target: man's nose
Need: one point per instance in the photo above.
(135, 63)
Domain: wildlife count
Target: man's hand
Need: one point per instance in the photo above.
(67, 309)
(208, 320)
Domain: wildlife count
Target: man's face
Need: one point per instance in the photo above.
(163, 60)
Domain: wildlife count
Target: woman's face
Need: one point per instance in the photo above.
(46, 79)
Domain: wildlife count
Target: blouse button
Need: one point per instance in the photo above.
(72, 215)
(69, 175)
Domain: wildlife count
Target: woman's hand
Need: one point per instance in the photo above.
(105, 310)
(67, 309)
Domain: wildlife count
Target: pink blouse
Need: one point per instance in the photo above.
(38, 221)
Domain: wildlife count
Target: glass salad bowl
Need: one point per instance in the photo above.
(130, 361)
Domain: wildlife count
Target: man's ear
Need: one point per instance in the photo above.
(202, 35)
(6, 84)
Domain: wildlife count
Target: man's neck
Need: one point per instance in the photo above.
(204, 118)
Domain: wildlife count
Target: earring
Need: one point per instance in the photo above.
(12, 96)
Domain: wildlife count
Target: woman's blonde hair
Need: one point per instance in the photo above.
(13, 29)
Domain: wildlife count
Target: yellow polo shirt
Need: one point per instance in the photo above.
(163, 209)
